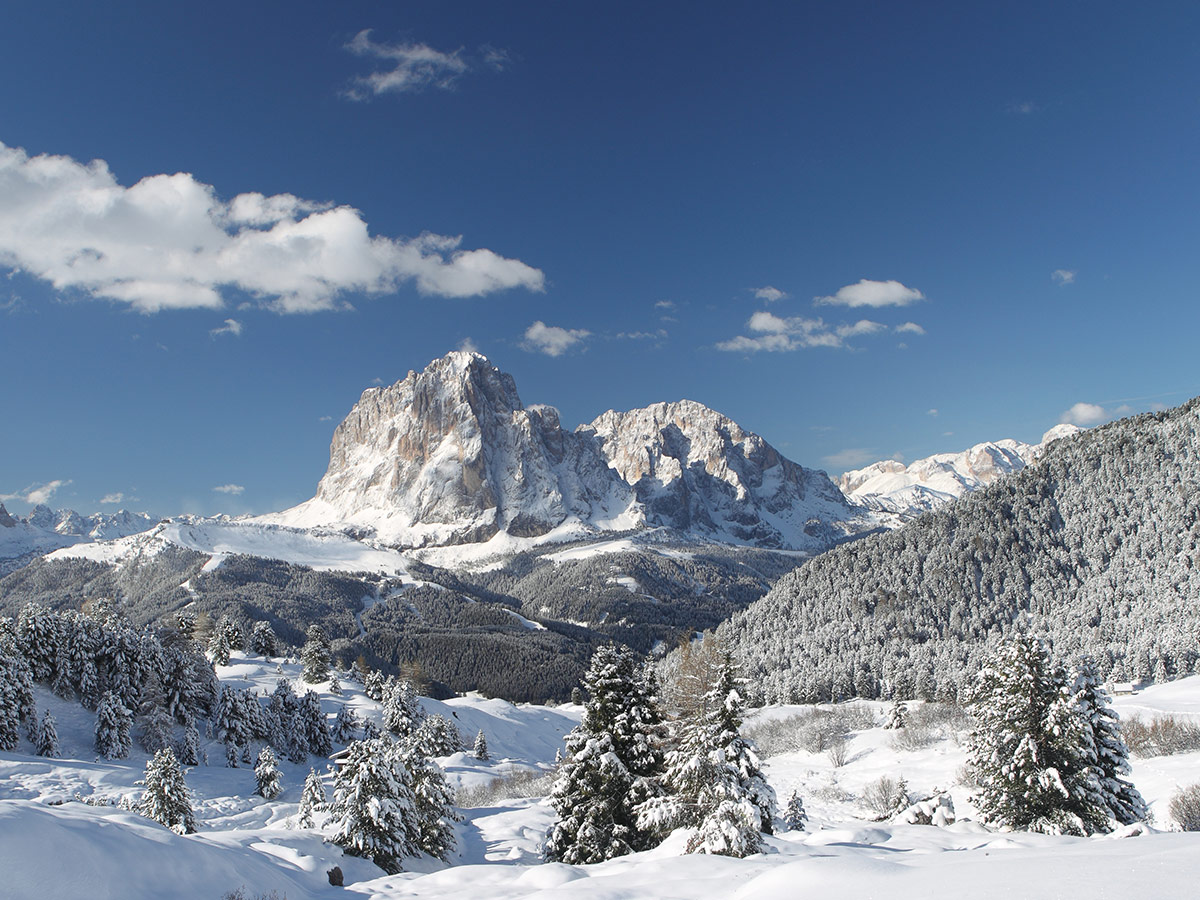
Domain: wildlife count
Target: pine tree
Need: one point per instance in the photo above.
(374, 685)
(189, 749)
(114, 724)
(267, 774)
(312, 800)
(235, 637)
(715, 784)
(897, 715)
(613, 766)
(167, 799)
(794, 816)
(154, 725)
(401, 712)
(47, 737)
(373, 813)
(10, 706)
(1028, 747)
(433, 802)
(1105, 747)
(437, 736)
(315, 655)
(218, 648)
(335, 684)
(481, 747)
(231, 754)
(345, 726)
(263, 640)
(314, 725)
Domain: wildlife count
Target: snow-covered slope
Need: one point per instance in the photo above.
(927, 483)
(45, 529)
(450, 455)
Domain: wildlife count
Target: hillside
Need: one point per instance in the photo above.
(1096, 544)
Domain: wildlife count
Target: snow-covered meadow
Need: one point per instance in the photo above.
(53, 846)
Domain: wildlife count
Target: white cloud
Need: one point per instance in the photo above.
(850, 458)
(495, 57)
(552, 340)
(931, 412)
(38, 494)
(872, 293)
(1085, 415)
(231, 326)
(642, 335)
(1023, 107)
(234, 489)
(325, 418)
(467, 345)
(1063, 276)
(909, 328)
(776, 334)
(413, 67)
(770, 294)
(665, 304)
(116, 497)
(168, 242)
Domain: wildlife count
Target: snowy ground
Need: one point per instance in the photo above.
(52, 846)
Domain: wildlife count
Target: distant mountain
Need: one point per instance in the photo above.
(450, 455)
(44, 530)
(926, 484)
(1097, 544)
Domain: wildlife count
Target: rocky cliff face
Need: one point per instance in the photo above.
(450, 455)
(695, 470)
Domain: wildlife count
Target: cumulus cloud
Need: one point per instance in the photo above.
(909, 328)
(773, 334)
(770, 294)
(38, 494)
(850, 458)
(1086, 415)
(552, 340)
(1063, 276)
(411, 67)
(235, 489)
(231, 326)
(665, 304)
(872, 293)
(931, 412)
(168, 242)
(115, 497)
(467, 345)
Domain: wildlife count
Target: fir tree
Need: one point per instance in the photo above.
(312, 800)
(345, 726)
(114, 724)
(263, 640)
(1105, 748)
(613, 766)
(437, 736)
(314, 725)
(481, 747)
(433, 801)
(218, 648)
(189, 749)
(10, 707)
(401, 712)
(374, 685)
(167, 799)
(1028, 747)
(231, 754)
(47, 737)
(267, 775)
(235, 637)
(373, 813)
(897, 715)
(335, 684)
(715, 785)
(794, 816)
(315, 655)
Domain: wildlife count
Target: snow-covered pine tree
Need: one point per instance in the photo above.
(370, 730)
(10, 707)
(345, 725)
(437, 736)
(114, 724)
(167, 799)
(235, 637)
(613, 766)
(263, 640)
(401, 712)
(1105, 747)
(218, 648)
(335, 683)
(374, 685)
(897, 716)
(794, 816)
(189, 748)
(715, 784)
(47, 737)
(267, 775)
(373, 813)
(314, 725)
(1027, 747)
(312, 799)
(315, 655)
(231, 754)
(481, 747)
(154, 725)
(433, 799)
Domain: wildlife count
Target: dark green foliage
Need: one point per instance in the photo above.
(167, 799)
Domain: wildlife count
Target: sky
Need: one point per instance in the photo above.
(862, 230)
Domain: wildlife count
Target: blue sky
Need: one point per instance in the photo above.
(861, 230)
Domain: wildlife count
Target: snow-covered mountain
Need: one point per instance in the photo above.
(450, 455)
(925, 484)
(44, 530)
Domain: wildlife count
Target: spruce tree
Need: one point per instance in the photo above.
(10, 706)
(189, 749)
(345, 726)
(613, 766)
(335, 684)
(218, 648)
(315, 655)
(47, 737)
(481, 747)
(794, 815)
(267, 774)
(897, 716)
(312, 800)
(401, 712)
(1105, 748)
(167, 799)
(373, 813)
(314, 725)
(114, 724)
(433, 801)
(263, 640)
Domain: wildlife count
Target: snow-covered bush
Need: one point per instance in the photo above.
(1161, 736)
(1185, 807)
(886, 796)
(937, 810)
